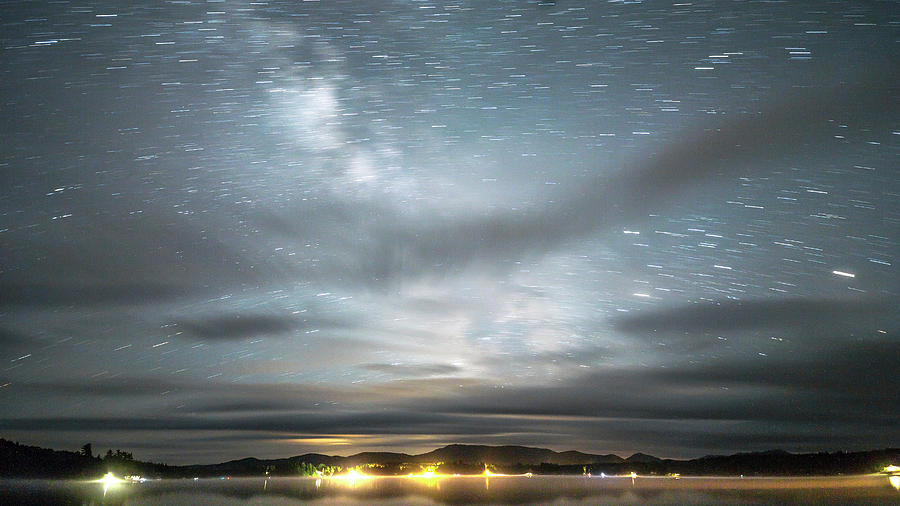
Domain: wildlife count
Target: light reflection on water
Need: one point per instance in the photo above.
(458, 490)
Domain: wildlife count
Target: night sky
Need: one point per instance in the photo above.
(234, 229)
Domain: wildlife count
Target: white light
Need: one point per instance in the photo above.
(110, 479)
(844, 274)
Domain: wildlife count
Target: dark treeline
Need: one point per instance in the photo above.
(771, 463)
(21, 461)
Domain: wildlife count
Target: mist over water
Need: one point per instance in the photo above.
(518, 490)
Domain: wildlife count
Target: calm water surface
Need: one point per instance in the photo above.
(458, 490)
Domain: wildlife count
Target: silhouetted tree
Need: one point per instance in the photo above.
(306, 469)
(123, 455)
(86, 450)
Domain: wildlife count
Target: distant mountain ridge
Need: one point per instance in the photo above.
(546, 461)
(454, 453)
(642, 458)
(18, 460)
(511, 455)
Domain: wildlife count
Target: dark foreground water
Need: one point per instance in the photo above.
(458, 490)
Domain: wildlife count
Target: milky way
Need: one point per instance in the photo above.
(265, 228)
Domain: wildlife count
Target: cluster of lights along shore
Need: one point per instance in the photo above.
(354, 475)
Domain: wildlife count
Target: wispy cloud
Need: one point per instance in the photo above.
(781, 313)
(238, 326)
(413, 370)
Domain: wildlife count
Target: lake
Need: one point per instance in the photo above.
(558, 490)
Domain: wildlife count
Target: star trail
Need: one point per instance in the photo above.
(235, 228)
